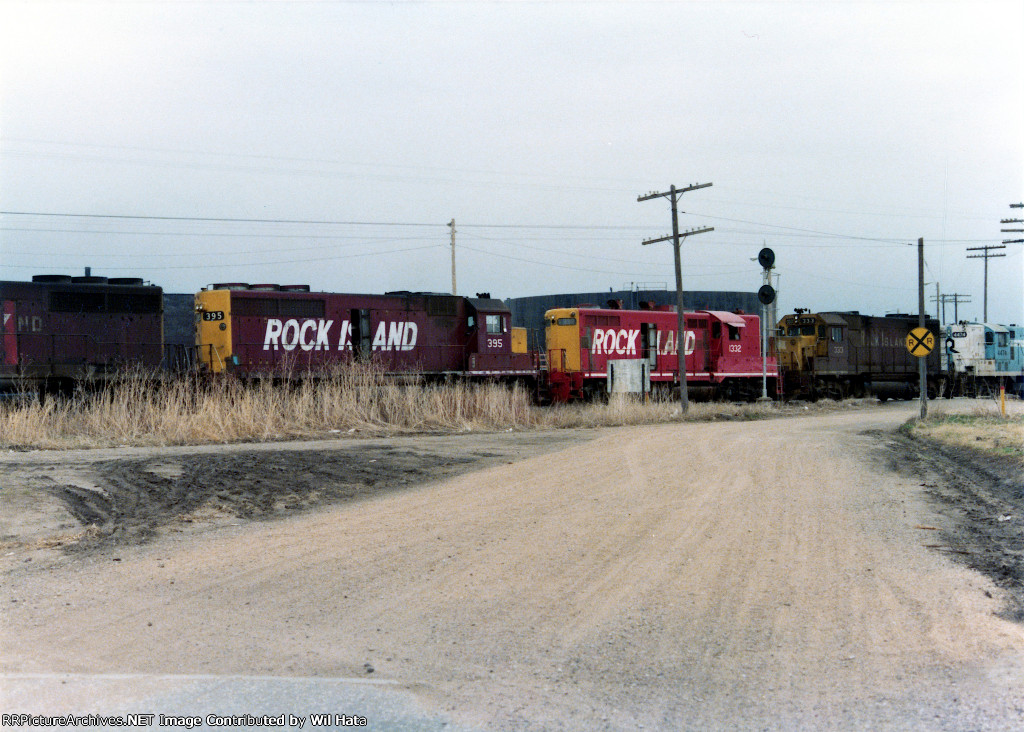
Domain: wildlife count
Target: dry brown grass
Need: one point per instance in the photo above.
(983, 428)
(141, 410)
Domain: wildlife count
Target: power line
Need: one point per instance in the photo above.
(216, 219)
(223, 265)
(797, 231)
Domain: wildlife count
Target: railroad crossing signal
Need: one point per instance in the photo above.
(920, 342)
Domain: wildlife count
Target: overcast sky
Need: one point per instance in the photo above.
(330, 143)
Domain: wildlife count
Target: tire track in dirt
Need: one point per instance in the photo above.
(983, 495)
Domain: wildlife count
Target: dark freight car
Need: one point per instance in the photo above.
(59, 330)
(837, 354)
(257, 330)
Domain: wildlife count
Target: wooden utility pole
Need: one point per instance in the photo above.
(986, 257)
(956, 298)
(452, 225)
(673, 194)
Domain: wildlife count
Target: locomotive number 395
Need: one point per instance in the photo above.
(213, 315)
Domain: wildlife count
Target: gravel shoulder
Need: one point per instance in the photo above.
(645, 577)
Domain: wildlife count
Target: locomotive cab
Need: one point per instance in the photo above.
(494, 347)
(562, 336)
(213, 329)
(797, 342)
(489, 327)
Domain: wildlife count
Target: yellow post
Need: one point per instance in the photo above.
(1002, 399)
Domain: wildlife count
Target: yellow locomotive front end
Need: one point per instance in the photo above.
(213, 329)
(797, 341)
(562, 339)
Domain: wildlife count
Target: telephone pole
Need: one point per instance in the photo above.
(452, 225)
(954, 298)
(1013, 221)
(673, 194)
(986, 256)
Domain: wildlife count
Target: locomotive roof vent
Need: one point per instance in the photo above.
(230, 286)
(51, 279)
(89, 280)
(484, 295)
(294, 288)
(125, 281)
(266, 287)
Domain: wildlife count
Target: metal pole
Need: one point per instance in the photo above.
(767, 279)
(922, 365)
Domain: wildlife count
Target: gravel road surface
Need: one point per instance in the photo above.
(780, 574)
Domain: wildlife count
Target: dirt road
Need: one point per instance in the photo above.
(652, 577)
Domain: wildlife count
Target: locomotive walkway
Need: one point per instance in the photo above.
(734, 575)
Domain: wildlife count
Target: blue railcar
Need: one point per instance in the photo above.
(982, 357)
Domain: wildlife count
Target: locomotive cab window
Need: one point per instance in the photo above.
(716, 329)
(837, 334)
(734, 332)
(493, 323)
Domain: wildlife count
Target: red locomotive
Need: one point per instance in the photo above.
(723, 353)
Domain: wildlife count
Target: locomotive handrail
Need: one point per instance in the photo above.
(562, 356)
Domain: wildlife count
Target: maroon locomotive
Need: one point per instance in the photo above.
(254, 330)
(59, 330)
